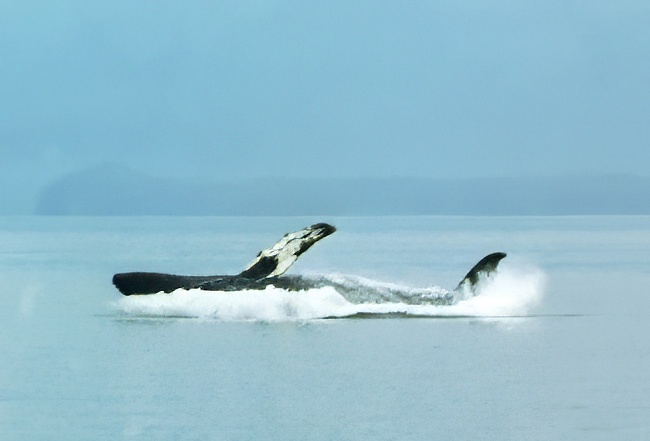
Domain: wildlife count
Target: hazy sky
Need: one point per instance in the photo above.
(214, 89)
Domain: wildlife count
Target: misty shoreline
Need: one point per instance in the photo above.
(116, 190)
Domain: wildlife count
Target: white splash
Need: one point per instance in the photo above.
(271, 304)
(510, 292)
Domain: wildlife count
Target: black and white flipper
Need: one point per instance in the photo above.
(276, 260)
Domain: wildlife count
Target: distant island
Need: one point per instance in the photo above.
(116, 190)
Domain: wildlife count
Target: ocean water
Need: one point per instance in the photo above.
(555, 346)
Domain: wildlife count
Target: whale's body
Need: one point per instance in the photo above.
(268, 269)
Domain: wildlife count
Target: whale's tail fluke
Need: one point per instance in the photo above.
(483, 268)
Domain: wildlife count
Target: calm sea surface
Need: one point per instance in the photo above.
(557, 346)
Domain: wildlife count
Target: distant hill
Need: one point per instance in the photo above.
(115, 190)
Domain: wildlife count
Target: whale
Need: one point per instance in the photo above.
(266, 268)
(269, 268)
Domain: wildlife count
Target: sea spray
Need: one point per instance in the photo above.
(512, 291)
(271, 304)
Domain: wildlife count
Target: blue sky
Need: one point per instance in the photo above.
(211, 90)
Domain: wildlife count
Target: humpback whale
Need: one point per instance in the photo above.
(268, 268)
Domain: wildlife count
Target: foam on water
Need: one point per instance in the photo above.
(511, 292)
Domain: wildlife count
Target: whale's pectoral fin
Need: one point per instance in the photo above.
(277, 259)
(483, 268)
